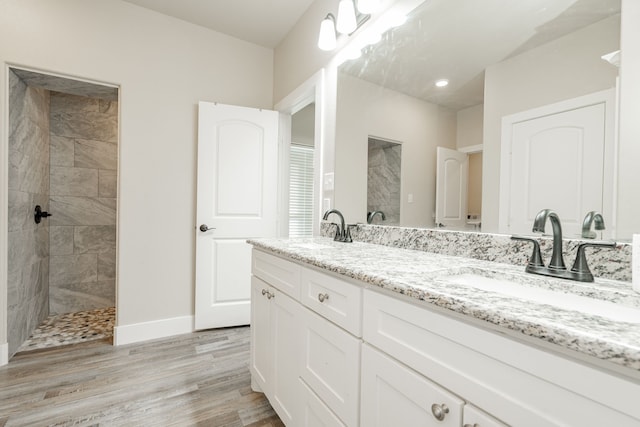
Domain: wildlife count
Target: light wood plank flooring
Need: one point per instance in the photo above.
(195, 379)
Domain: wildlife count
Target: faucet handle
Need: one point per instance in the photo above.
(347, 233)
(580, 265)
(536, 259)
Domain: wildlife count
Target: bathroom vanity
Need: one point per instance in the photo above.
(368, 335)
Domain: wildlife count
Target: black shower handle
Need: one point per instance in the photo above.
(38, 214)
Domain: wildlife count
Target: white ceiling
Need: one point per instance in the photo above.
(263, 22)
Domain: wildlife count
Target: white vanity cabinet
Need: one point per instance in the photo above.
(304, 354)
(333, 352)
(275, 334)
(275, 340)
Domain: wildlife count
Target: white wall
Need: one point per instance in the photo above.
(297, 57)
(469, 126)
(364, 110)
(164, 67)
(628, 220)
(565, 68)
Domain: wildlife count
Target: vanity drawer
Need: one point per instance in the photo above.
(277, 272)
(315, 412)
(330, 365)
(393, 394)
(335, 299)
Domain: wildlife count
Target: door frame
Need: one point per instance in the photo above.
(311, 91)
(4, 193)
(609, 185)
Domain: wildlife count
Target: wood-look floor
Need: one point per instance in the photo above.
(196, 379)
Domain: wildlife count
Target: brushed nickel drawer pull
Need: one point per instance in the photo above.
(323, 297)
(439, 411)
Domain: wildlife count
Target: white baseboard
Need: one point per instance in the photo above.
(4, 353)
(145, 331)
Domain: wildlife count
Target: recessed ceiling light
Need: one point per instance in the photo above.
(442, 82)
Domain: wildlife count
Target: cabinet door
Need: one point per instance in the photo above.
(394, 395)
(474, 417)
(261, 370)
(284, 319)
(330, 365)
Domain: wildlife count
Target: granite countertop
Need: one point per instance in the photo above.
(418, 275)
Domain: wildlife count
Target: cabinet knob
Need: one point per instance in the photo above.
(439, 411)
(323, 297)
(264, 292)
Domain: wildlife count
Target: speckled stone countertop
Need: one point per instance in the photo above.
(420, 275)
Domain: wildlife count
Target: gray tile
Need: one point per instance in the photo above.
(67, 103)
(61, 240)
(61, 151)
(96, 154)
(108, 107)
(61, 84)
(80, 182)
(20, 212)
(65, 300)
(88, 125)
(94, 239)
(107, 183)
(29, 163)
(68, 210)
(107, 266)
(73, 269)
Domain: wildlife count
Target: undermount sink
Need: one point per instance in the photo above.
(492, 282)
(311, 245)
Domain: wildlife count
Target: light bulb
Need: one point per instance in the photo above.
(346, 17)
(442, 82)
(327, 38)
(368, 7)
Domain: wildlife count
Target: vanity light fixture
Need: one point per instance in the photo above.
(327, 39)
(442, 82)
(368, 7)
(346, 23)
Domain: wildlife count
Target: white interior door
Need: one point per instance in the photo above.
(451, 187)
(557, 163)
(237, 200)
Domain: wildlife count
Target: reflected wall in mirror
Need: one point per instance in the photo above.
(501, 58)
(383, 182)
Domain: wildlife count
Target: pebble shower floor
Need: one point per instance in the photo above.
(72, 328)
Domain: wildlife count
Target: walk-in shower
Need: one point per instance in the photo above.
(63, 163)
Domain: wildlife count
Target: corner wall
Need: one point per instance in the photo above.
(28, 242)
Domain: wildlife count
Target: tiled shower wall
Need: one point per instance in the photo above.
(28, 242)
(383, 181)
(83, 203)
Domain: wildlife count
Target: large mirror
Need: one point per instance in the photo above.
(508, 63)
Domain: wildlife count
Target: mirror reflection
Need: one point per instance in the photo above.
(509, 66)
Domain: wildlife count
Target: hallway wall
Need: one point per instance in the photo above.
(83, 157)
(28, 242)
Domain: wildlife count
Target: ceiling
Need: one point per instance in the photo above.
(458, 39)
(265, 23)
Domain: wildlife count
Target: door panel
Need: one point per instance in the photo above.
(237, 196)
(451, 188)
(556, 163)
